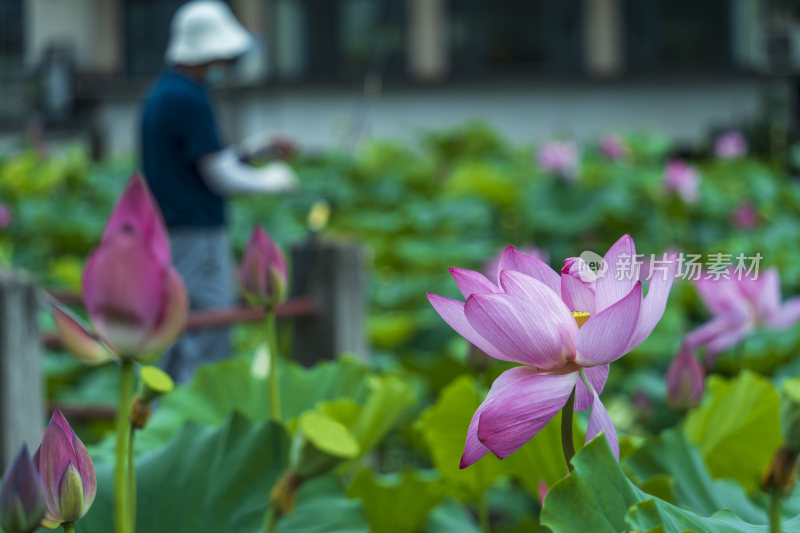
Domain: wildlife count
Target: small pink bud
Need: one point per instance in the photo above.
(681, 178)
(67, 473)
(6, 216)
(559, 158)
(745, 216)
(730, 145)
(685, 380)
(263, 273)
(613, 147)
(21, 498)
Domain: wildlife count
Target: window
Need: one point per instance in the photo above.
(337, 39)
(11, 36)
(669, 35)
(146, 30)
(515, 36)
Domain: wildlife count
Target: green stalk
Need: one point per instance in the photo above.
(272, 520)
(69, 527)
(483, 513)
(132, 480)
(274, 384)
(567, 443)
(775, 510)
(121, 499)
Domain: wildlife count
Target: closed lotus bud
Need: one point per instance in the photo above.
(263, 273)
(685, 380)
(790, 414)
(67, 473)
(21, 498)
(137, 302)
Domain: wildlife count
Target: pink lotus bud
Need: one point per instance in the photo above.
(542, 491)
(745, 216)
(6, 216)
(67, 473)
(21, 498)
(681, 178)
(263, 273)
(730, 145)
(613, 147)
(685, 380)
(560, 158)
(137, 302)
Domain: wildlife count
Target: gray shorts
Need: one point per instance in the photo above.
(203, 258)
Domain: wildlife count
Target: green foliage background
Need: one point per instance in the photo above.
(454, 198)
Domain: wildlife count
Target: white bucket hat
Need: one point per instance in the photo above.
(204, 31)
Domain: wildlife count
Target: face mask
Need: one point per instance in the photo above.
(215, 74)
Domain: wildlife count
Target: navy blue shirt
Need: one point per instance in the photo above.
(177, 129)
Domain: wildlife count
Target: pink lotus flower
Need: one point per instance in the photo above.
(745, 216)
(67, 473)
(492, 266)
(263, 272)
(6, 216)
(681, 178)
(564, 330)
(613, 147)
(560, 158)
(21, 498)
(685, 379)
(135, 298)
(730, 145)
(738, 305)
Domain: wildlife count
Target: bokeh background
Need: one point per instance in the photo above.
(440, 132)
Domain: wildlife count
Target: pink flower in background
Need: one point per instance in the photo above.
(263, 272)
(6, 216)
(542, 491)
(613, 147)
(738, 306)
(681, 178)
(559, 157)
(745, 216)
(492, 266)
(730, 145)
(685, 379)
(134, 297)
(22, 504)
(563, 330)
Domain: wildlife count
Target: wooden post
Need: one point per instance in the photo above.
(21, 395)
(332, 275)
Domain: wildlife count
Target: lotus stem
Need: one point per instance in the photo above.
(274, 384)
(775, 496)
(272, 520)
(69, 527)
(132, 480)
(567, 443)
(121, 486)
(483, 513)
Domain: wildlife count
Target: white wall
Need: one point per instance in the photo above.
(523, 113)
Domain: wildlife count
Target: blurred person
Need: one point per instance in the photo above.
(191, 172)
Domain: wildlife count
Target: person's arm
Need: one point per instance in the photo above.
(226, 175)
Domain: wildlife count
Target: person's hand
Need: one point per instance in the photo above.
(278, 177)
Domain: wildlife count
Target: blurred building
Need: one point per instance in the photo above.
(330, 72)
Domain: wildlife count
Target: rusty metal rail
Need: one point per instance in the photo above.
(294, 308)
